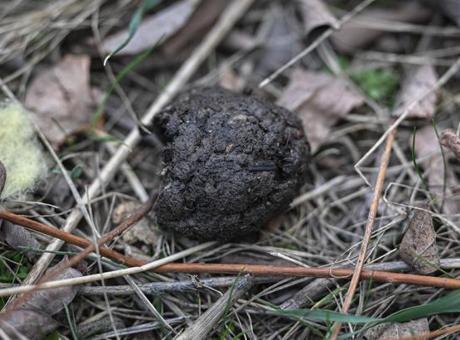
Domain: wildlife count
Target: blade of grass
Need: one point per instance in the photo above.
(134, 24)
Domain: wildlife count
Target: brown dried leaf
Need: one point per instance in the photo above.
(61, 98)
(398, 330)
(357, 34)
(418, 246)
(52, 301)
(416, 83)
(161, 25)
(316, 17)
(30, 324)
(320, 100)
(451, 141)
(18, 238)
(141, 231)
(33, 318)
(282, 41)
(427, 145)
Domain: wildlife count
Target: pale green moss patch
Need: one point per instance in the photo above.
(19, 151)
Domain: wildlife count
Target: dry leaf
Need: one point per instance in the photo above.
(33, 318)
(418, 246)
(159, 26)
(52, 301)
(427, 145)
(30, 324)
(418, 81)
(357, 33)
(140, 232)
(18, 238)
(61, 98)
(451, 141)
(397, 330)
(320, 100)
(316, 17)
(282, 41)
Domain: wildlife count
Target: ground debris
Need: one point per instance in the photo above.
(309, 95)
(451, 141)
(61, 98)
(418, 81)
(418, 247)
(398, 330)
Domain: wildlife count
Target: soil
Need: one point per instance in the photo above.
(232, 162)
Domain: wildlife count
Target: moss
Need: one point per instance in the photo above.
(379, 84)
(19, 151)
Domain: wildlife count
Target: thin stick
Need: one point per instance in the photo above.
(260, 270)
(228, 18)
(91, 247)
(368, 229)
(164, 266)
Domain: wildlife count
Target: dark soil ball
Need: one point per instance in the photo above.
(232, 162)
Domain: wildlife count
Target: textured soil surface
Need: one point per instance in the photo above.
(232, 162)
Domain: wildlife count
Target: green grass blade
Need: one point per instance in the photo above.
(324, 315)
(134, 25)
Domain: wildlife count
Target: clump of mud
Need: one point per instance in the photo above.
(232, 162)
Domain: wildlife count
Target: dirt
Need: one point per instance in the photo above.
(231, 163)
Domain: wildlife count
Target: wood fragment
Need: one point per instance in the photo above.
(206, 322)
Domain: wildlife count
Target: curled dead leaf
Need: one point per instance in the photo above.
(417, 82)
(451, 141)
(316, 18)
(418, 247)
(61, 98)
(320, 100)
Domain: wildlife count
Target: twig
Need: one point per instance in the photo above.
(326, 34)
(230, 16)
(164, 266)
(110, 275)
(159, 288)
(368, 229)
(261, 270)
(206, 322)
(127, 223)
